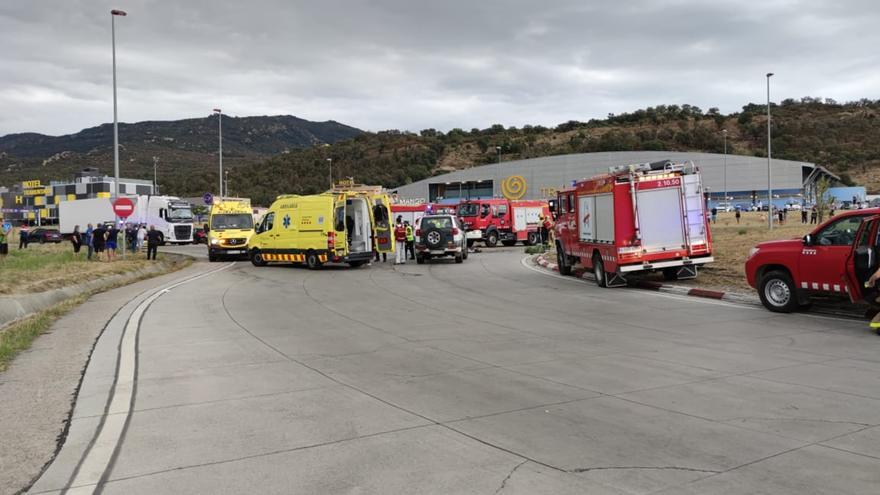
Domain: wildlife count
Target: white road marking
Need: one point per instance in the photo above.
(97, 458)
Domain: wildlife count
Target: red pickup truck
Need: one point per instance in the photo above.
(837, 257)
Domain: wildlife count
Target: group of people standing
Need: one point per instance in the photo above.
(104, 238)
(405, 241)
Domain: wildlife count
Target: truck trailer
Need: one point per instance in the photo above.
(169, 215)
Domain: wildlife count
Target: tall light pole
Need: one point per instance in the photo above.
(113, 14)
(330, 164)
(724, 133)
(769, 173)
(219, 113)
(498, 149)
(226, 180)
(155, 176)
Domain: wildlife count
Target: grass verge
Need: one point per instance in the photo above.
(19, 336)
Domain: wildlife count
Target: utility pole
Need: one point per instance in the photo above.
(155, 176)
(219, 113)
(724, 132)
(769, 172)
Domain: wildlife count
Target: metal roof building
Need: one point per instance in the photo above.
(539, 178)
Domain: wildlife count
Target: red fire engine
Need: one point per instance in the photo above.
(494, 220)
(645, 217)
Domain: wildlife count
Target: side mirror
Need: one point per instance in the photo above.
(808, 240)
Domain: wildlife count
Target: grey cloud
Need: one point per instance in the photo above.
(380, 64)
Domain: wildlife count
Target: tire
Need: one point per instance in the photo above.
(509, 243)
(42, 240)
(532, 239)
(356, 264)
(562, 261)
(599, 271)
(257, 258)
(470, 242)
(670, 274)
(492, 239)
(212, 257)
(434, 239)
(464, 252)
(420, 259)
(777, 292)
(459, 258)
(312, 260)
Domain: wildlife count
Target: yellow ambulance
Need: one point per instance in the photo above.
(343, 225)
(229, 228)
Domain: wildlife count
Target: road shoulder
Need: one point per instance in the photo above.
(41, 386)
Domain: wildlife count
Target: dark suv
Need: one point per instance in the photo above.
(438, 236)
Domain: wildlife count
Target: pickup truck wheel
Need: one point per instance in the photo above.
(257, 258)
(492, 239)
(312, 260)
(464, 252)
(562, 261)
(470, 242)
(599, 271)
(459, 258)
(777, 292)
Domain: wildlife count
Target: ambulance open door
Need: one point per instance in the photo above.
(380, 216)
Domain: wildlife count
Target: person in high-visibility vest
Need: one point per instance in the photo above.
(400, 242)
(410, 240)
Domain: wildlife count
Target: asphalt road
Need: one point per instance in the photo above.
(488, 377)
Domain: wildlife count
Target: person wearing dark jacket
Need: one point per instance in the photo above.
(154, 237)
(76, 240)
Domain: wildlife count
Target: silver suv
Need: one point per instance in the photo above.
(438, 236)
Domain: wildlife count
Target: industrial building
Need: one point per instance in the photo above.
(37, 203)
(741, 177)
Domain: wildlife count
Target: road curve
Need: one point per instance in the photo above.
(486, 377)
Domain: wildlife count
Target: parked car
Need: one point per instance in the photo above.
(725, 207)
(438, 236)
(43, 235)
(199, 236)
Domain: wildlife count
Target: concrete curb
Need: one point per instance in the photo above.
(19, 306)
(541, 260)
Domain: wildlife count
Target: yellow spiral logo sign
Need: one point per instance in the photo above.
(513, 187)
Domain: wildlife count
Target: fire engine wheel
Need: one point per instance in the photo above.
(777, 292)
(257, 258)
(492, 239)
(312, 260)
(562, 261)
(532, 239)
(599, 271)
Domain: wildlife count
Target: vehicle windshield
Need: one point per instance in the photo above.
(468, 210)
(180, 214)
(232, 221)
(436, 223)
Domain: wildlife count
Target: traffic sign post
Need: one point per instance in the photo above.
(209, 198)
(123, 208)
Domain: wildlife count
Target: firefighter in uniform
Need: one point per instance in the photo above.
(546, 228)
(410, 240)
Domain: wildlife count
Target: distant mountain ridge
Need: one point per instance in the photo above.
(241, 135)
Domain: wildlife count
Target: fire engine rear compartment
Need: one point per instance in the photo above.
(660, 223)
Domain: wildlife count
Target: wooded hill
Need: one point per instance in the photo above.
(844, 137)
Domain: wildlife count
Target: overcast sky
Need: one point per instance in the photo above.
(414, 64)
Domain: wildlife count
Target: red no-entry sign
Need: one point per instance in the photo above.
(123, 207)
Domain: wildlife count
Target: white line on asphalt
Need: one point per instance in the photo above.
(694, 299)
(98, 456)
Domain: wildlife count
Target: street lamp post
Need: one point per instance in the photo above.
(113, 14)
(226, 180)
(769, 172)
(219, 113)
(724, 133)
(498, 149)
(330, 165)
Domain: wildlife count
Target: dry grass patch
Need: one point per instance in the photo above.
(42, 267)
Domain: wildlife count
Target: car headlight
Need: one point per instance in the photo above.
(753, 251)
(214, 242)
